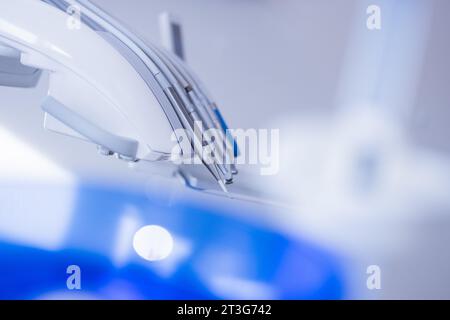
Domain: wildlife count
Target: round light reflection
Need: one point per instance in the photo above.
(153, 243)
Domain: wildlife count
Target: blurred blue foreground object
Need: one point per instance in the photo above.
(215, 256)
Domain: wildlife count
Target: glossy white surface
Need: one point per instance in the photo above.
(87, 74)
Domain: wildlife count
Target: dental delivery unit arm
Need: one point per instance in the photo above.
(108, 87)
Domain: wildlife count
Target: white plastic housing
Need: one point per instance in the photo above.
(87, 75)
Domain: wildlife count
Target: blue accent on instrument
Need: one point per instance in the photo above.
(229, 136)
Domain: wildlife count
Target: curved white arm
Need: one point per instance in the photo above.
(89, 79)
(108, 87)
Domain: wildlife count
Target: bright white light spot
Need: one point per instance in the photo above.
(230, 287)
(128, 224)
(21, 162)
(37, 195)
(153, 243)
